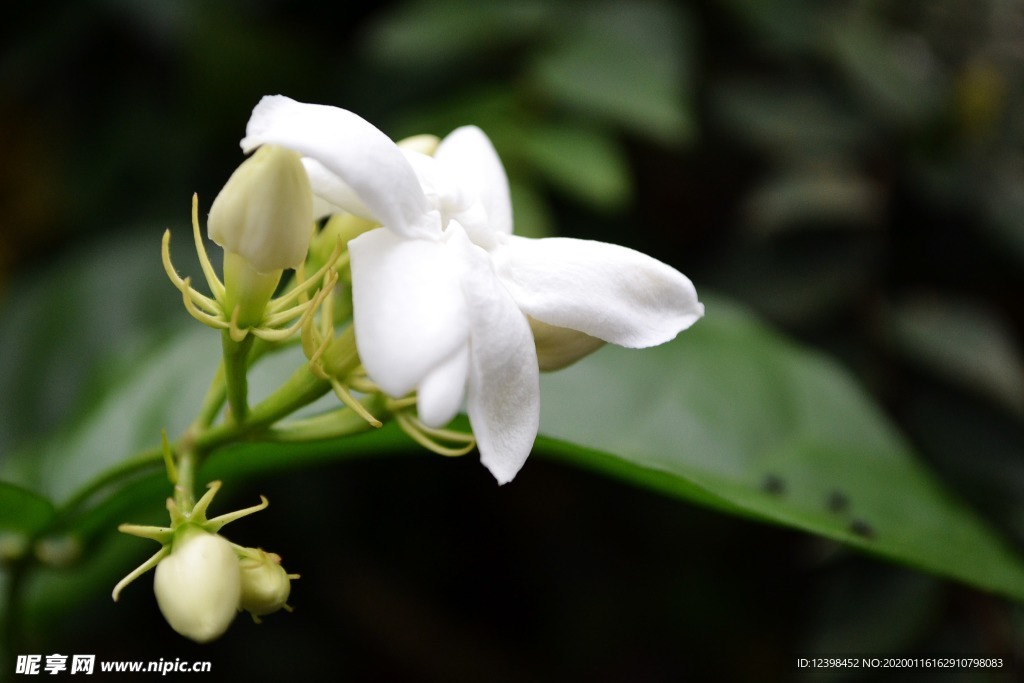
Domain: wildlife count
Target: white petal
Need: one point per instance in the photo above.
(409, 311)
(604, 290)
(322, 208)
(332, 194)
(440, 394)
(504, 386)
(468, 154)
(454, 200)
(363, 157)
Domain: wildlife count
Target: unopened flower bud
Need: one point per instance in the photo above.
(198, 585)
(265, 211)
(265, 583)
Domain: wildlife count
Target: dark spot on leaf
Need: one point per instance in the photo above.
(838, 502)
(862, 528)
(773, 483)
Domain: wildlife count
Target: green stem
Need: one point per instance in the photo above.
(236, 365)
(184, 489)
(333, 425)
(216, 394)
(301, 389)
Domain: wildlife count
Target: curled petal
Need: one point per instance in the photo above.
(352, 149)
(468, 154)
(408, 307)
(504, 385)
(445, 194)
(332, 194)
(606, 291)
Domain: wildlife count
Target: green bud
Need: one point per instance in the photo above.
(265, 583)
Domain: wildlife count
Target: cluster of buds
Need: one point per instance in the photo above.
(202, 580)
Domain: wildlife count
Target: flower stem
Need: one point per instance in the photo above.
(184, 489)
(333, 425)
(216, 394)
(301, 389)
(236, 365)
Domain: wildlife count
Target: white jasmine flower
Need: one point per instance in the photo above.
(447, 301)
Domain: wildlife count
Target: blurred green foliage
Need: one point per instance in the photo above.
(851, 169)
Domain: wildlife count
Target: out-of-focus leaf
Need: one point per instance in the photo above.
(1003, 197)
(787, 25)
(104, 302)
(789, 121)
(733, 416)
(530, 212)
(441, 34)
(896, 74)
(584, 162)
(22, 514)
(812, 199)
(962, 342)
(22, 510)
(164, 393)
(800, 280)
(628, 63)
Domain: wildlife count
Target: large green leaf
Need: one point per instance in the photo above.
(733, 416)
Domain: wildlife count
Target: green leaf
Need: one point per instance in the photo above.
(22, 511)
(625, 63)
(447, 33)
(22, 515)
(963, 341)
(56, 344)
(733, 416)
(582, 161)
(163, 393)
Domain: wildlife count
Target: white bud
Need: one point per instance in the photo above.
(198, 586)
(265, 211)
